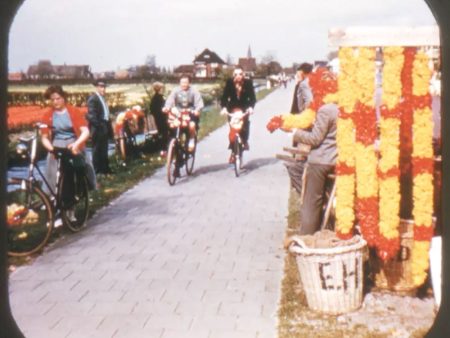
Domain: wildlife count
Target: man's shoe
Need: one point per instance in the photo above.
(232, 159)
(191, 145)
(246, 146)
(58, 223)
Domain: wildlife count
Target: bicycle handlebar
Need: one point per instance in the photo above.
(61, 152)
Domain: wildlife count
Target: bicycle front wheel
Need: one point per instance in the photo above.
(29, 218)
(171, 165)
(190, 158)
(74, 206)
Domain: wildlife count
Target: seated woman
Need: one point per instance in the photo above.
(66, 127)
(134, 118)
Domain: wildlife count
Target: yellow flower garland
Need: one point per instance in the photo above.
(345, 140)
(389, 183)
(422, 180)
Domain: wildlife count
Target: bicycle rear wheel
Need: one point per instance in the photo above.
(29, 218)
(75, 212)
(190, 158)
(237, 150)
(171, 165)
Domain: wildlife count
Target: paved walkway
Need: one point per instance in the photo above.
(203, 258)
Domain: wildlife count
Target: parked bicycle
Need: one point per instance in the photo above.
(127, 126)
(237, 145)
(178, 152)
(31, 212)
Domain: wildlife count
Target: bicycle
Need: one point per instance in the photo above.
(237, 145)
(178, 152)
(31, 212)
(125, 142)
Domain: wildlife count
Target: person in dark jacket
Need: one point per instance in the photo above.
(321, 162)
(239, 93)
(303, 95)
(100, 127)
(156, 109)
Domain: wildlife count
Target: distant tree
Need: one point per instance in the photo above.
(142, 71)
(150, 60)
(268, 65)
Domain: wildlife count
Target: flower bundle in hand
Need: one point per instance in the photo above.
(324, 86)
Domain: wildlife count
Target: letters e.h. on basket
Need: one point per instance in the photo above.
(332, 278)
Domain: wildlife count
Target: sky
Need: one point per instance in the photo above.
(116, 34)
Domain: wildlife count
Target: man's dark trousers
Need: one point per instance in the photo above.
(313, 190)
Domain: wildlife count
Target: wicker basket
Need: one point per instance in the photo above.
(332, 277)
(396, 275)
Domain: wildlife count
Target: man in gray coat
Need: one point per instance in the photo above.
(321, 162)
(303, 95)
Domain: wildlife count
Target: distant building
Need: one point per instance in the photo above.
(45, 70)
(17, 76)
(121, 74)
(184, 70)
(208, 64)
(248, 64)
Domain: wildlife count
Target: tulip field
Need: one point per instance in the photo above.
(26, 103)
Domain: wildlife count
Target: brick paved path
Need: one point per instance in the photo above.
(203, 258)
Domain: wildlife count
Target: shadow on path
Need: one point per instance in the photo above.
(247, 167)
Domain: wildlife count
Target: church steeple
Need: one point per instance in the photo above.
(249, 53)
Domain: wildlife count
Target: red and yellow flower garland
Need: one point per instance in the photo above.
(422, 162)
(345, 140)
(366, 158)
(388, 242)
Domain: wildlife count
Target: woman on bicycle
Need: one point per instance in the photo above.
(65, 127)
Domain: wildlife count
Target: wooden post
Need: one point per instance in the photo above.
(8, 327)
(440, 10)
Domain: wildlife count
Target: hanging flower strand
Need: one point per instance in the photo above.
(366, 158)
(388, 169)
(345, 140)
(422, 161)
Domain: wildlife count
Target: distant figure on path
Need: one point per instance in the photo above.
(101, 128)
(156, 109)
